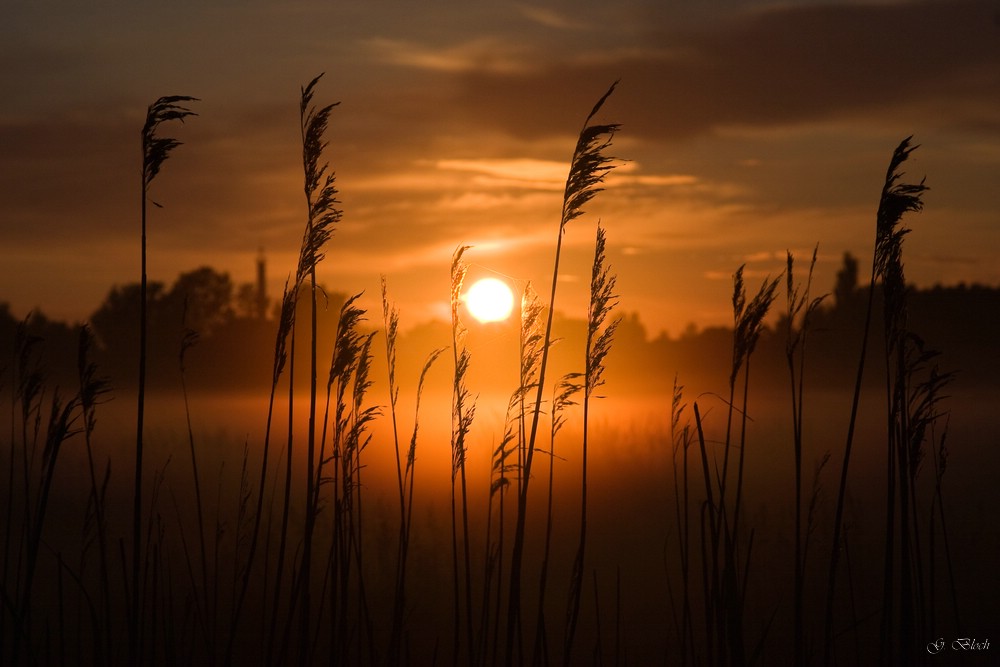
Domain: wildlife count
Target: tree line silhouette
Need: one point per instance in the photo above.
(233, 326)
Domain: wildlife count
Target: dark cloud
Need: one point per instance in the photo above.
(780, 66)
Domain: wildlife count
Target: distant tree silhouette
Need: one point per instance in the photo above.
(116, 321)
(963, 321)
(203, 298)
(199, 300)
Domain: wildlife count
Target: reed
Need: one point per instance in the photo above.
(348, 384)
(155, 151)
(463, 411)
(600, 334)
(800, 309)
(322, 215)
(681, 440)
(390, 321)
(748, 318)
(588, 167)
(61, 426)
(28, 383)
(896, 200)
(405, 469)
(189, 340)
(503, 466)
(280, 359)
(93, 391)
(563, 395)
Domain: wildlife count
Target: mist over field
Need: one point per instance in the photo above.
(635, 465)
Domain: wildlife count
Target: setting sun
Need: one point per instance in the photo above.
(489, 300)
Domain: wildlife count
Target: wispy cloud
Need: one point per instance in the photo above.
(520, 172)
(551, 18)
(481, 54)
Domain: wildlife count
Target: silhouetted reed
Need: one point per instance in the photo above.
(588, 167)
(463, 411)
(322, 215)
(600, 334)
(680, 441)
(896, 200)
(800, 309)
(404, 472)
(93, 390)
(155, 151)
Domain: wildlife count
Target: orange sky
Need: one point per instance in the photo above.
(747, 130)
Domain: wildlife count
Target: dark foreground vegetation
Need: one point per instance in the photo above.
(533, 544)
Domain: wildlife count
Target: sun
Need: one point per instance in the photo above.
(489, 300)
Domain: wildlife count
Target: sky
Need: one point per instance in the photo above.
(747, 130)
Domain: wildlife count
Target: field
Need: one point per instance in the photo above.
(576, 516)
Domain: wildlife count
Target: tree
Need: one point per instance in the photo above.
(202, 299)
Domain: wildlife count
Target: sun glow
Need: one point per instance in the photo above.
(489, 300)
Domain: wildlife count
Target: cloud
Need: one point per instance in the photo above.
(482, 54)
(778, 66)
(550, 18)
(519, 172)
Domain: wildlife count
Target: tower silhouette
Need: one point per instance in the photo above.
(260, 303)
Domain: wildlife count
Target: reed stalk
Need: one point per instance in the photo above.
(189, 340)
(501, 469)
(93, 389)
(406, 526)
(681, 440)
(562, 399)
